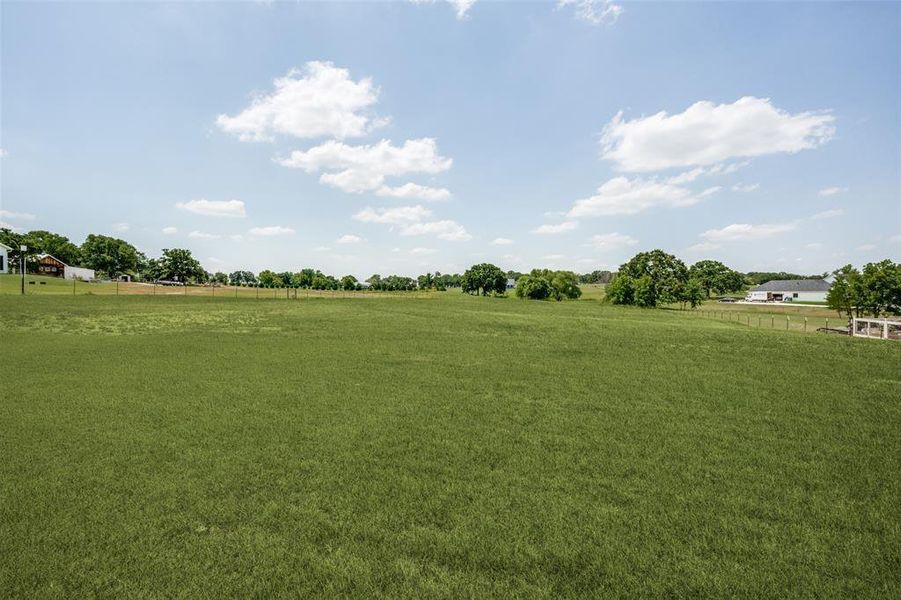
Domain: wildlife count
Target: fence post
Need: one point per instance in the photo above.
(786, 323)
(772, 321)
(885, 328)
(73, 287)
(827, 323)
(258, 292)
(117, 287)
(805, 324)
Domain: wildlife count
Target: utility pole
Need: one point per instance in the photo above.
(22, 250)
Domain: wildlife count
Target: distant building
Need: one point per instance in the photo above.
(4, 258)
(790, 290)
(51, 266)
(511, 283)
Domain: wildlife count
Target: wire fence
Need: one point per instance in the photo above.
(797, 322)
(49, 286)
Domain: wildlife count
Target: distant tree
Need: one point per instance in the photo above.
(845, 294)
(596, 277)
(270, 279)
(759, 277)
(179, 264)
(220, 278)
(533, 288)
(565, 285)
(425, 282)
(349, 282)
(242, 278)
(484, 278)
(304, 278)
(13, 240)
(108, 255)
(657, 278)
(691, 293)
(714, 276)
(881, 286)
(620, 290)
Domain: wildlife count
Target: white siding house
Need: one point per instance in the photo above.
(790, 290)
(78, 273)
(4, 258)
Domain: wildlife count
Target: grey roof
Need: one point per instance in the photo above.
(794, 285)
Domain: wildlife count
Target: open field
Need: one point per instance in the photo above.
(439, 446)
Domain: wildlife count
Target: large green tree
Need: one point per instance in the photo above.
(714, 276)
(179, 264)
(881, 288)
(656, 278)
(109, 255)
(484, 279)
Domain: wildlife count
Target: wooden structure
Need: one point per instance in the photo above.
(51, 266)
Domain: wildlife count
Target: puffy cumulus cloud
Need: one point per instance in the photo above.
(461, 7)
(270, 231)
(624, 196)
(443, 230)
(364, 168)
(596, 12)
(708, 133)
(743, 231)
(170, 230)
(349, 239)
(200, 235)
(398, 215)
(501, 241)
(555, 228)
(828, 214)
(319, 101)
(413, 220)
(214, 208)
(832, 191)
(611, 241)
(703, 247)
(414, 190)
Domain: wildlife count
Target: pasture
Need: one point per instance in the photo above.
(439, 446)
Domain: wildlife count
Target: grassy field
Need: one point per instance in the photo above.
(440, 446)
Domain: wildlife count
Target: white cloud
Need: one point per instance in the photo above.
(623, 196)
(321, 249)
(200, 235)
(710, 191)
(412, 221)
(595, 12)
(866, 247)
(895, 239)
(399, 215)
(743, 231)
(170, 230)
(832, 191)
(3, 153)
(553, 256)
(703, 247)
(828, 214)
(717, 169)
(422, 251)
(444, 230)
(611, 241)
(814, 246)
(121, 227)
(553, 229)
(745, 187)
(501, 241)
(414, 190)
(237, 237)
(8, 214)
(214, 208)
(461, 7)
(349, 239)
(320, 101)
(214, 260)
(360, 169)
(708, 133)
(270, 231)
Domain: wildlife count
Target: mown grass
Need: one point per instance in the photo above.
(441, 446)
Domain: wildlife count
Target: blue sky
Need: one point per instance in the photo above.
(410, 136)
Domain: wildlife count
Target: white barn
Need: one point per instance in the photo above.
(4, 258)
(790, 290)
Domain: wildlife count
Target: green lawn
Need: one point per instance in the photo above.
(441, 446)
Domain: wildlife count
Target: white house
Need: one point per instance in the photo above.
(790, 290)
(4, 258)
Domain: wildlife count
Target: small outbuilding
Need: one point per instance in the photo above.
(4, 258)
(51, 266)
(790, 290)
